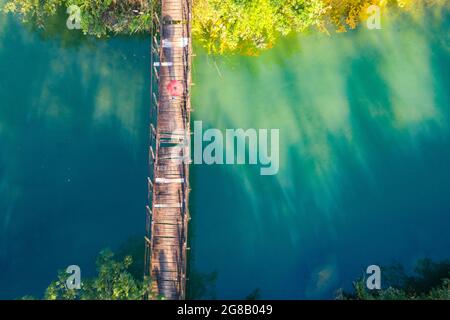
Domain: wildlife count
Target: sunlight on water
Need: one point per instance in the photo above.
(364, 134)
(350, 108)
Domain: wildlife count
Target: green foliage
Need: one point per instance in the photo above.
(116, 279)
(57, 289)
(250, 26)
(430, 281)
(134, 247)
(98, 17)
(221, 26)
(245, 26)
(35, 11)
(113, 282)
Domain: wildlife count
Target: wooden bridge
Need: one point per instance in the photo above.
(169, 154)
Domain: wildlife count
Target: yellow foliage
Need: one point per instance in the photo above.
(347, 14)
(250, 26)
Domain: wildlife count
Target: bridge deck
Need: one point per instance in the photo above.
(166, 241)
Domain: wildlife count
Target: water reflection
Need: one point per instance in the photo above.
(73, 156)
(363, 121)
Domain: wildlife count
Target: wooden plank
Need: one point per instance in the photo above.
(169, 188)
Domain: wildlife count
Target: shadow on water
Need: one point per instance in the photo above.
(73, 162)
(363, 178)
(363, 121)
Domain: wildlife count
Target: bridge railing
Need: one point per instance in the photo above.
(156, 62)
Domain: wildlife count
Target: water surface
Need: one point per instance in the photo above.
(364, 153)
(73, 151)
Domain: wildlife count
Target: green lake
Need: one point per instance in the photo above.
(364, 154)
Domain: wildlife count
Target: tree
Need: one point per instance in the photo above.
(251, 26)
(221, 26)
(247, 27)
(430, 281)
(98, 17)
(113, 282)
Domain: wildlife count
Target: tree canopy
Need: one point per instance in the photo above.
(249, 26)
(429, 281)
(98, 17)
(113, 282)
(221, 26)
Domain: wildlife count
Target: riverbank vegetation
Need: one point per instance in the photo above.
(119, 277)
(221, 26)
(114, 281)
(250, 26)
(97, 17)
(429, 281)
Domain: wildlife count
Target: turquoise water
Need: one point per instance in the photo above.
(73, 155)
(364, 153)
